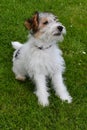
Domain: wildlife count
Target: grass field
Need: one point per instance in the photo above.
(19, 109)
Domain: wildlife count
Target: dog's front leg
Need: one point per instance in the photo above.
(41, 89)
(60, 88)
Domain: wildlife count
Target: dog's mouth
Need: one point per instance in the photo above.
(57, 34)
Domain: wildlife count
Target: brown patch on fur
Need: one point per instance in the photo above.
(36, 24)
(32, 23)
(41, 26)
(42, 21)
(37, 34)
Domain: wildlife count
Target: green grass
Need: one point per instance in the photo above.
(19, 109)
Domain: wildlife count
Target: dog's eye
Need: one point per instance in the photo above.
(46, 22)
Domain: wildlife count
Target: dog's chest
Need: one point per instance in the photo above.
(46, 61)
(41, 61)
(41, 57)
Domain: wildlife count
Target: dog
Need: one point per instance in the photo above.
(40, 57)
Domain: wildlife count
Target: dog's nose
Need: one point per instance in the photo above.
(60, 28)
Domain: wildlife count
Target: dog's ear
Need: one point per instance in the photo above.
(28, 24)
(32, 23)
(35, 21)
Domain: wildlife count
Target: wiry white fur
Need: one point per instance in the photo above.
(38, 64)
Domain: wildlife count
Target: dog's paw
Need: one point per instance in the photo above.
(43, 102)
(66, 97)
(42, 98)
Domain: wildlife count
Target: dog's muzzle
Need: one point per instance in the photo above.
(59, 31)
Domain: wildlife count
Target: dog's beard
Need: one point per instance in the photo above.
(51, 39)
(58, 38)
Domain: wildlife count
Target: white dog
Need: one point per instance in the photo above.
(40, 57)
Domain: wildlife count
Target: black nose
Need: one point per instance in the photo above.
(60, 28)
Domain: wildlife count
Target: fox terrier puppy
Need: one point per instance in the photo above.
(40, 57)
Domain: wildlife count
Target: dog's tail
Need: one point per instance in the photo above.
(16, 45)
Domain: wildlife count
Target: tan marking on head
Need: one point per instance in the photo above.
(38, 34)
(42, 21)
(36, 24)
(40, 27)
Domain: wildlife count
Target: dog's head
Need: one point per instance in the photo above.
(45, 26)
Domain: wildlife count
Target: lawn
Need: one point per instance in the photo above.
(19, 109)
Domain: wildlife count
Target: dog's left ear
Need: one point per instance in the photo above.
(28, 24)
(32, 23)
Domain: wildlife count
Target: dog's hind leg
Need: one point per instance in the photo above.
(19, 75)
